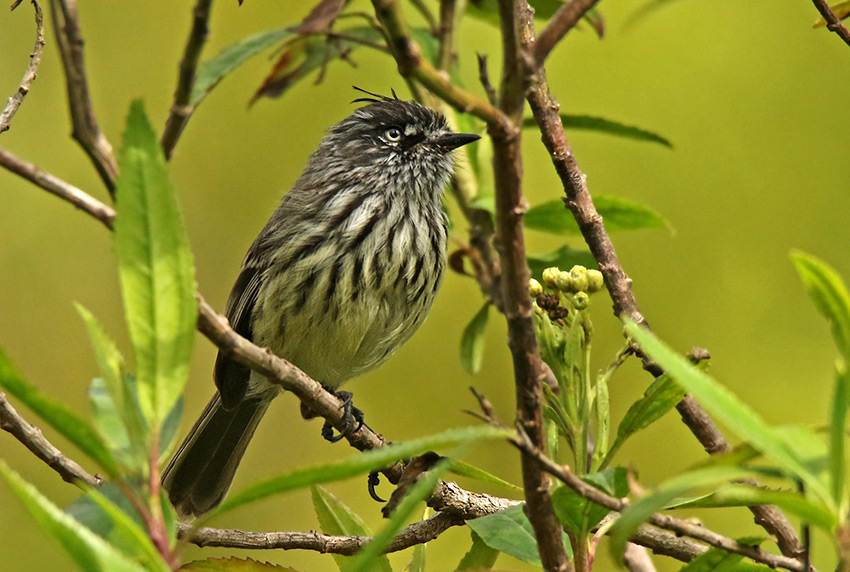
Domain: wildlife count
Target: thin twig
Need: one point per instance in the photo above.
(510, 206)
(29, 76)
(65, 191)
(446, 56)
(86, 131)
(416, 533)
(565, 19)
(675, 525)
(181, 109)
(636, 558)
(31, 437)
(833, 23)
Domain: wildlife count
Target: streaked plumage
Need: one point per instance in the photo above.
(343, 273)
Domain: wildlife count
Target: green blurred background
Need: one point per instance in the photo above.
(753, 99)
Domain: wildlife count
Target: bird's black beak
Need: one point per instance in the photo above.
(451, 141)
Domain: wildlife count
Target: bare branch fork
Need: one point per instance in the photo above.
(29, 76)
(86, 131)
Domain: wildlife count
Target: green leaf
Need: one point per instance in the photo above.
(746, 495)
(714, 560)
(417, 561)
(89, 551)
(565, 257)
(118, 417)
(128, 534)
(358, 464)
(472, 341)
(155, 267)
(602, 125)
(619, 214)
(466, 470)
(111, 428)
(233, 564)
(62, 419)
(658, 399)
(366, 558)
(827, 290)
(837, 430)
(579, 515)
(336, 518)
(508, 531)
(725, 407)
(479, 556)
(211, 72)
(640, 510)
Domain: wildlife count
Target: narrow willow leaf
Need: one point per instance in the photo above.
(110, 426)
(89, 551)
(746, 495)
(602, 125)
(211, 72)
(827, 290)
(337, 518)
(724, 406)
(417, 561)
(565, 257)
(579, 515)
(128, 534)
(62, 419)
(719, 560)
(365, 559)
(131, 437)
(155, 267)
(837, 430)
(472, 340)
(233, 564)
(639, 511)
(466, 470)
(479, 556)
(658, 399)
(508, 531)
(357, 464)
(619, 214)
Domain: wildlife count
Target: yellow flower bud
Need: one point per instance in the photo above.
(549, 276)
(563, 282)
(578, 276)
(595, 282)
(581, 300)
(535, 289)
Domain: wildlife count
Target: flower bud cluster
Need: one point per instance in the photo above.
(564, 293)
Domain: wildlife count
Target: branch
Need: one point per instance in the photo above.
(181, 109)
(675, 525)
(510, 206)
(86, 131)
(833, 23)
(619, 285)
(447, 496)
(65, 191)
(408, 55)
(565, 19)
(32, 439)
(417, 533)
(29, 76)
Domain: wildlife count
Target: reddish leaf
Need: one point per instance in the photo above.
(321, 17)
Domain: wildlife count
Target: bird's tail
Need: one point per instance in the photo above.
(202, 470)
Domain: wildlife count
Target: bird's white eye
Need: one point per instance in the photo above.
(393, 134)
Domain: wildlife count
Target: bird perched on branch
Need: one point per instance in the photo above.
(344, 272)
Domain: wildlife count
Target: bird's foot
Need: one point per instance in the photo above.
(352, 419)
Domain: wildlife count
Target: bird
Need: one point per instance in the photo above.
(343, 273)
